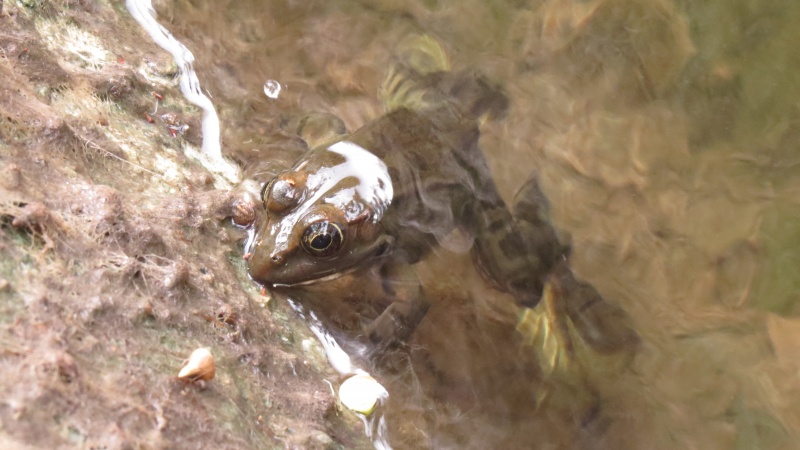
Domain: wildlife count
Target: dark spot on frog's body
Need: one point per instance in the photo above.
(498, 225)
(511, 245)
(588, 304)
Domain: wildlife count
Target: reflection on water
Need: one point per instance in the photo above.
(664, 134)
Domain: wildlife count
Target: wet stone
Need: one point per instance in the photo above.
(244, 210)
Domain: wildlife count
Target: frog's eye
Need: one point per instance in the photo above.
(281, 193)
(322, 239)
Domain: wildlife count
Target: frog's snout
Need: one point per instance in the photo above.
(261, 264)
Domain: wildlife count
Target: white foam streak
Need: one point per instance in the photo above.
(338, 358)
(375, 185)
(211, 156)
(374, 423)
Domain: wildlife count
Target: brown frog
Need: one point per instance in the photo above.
(373, 203)
(345, 225)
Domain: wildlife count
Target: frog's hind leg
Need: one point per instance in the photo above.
(603, 326)
(500, 253)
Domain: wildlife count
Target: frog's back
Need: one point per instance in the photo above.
(429, 137)
(442, 182)
(428, 174)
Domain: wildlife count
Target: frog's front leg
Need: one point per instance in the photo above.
(316, 128)
(397, 322)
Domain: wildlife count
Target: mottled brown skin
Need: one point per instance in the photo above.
(602, 325)
(441, 182)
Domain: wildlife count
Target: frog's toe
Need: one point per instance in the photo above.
(605, 327)
(424, 54)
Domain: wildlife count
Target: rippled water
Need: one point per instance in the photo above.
(665, 135)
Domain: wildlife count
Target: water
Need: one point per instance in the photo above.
(211, 157)
(372, 416)
(272, 89)
(664, 134)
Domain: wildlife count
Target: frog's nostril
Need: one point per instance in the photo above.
(276, 258)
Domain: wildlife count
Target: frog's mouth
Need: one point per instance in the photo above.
(320, 279)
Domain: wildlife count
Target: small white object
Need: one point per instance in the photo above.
(361, 392)
(199, 367)
(272, 89)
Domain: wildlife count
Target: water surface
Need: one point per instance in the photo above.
(665, 135)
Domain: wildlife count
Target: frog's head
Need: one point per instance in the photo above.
(322, 217)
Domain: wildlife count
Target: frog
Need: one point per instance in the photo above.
(370, 205)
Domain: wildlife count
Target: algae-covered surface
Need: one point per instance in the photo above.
(664, 134)
(117, 260)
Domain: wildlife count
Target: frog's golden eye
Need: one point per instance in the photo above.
(322, 239)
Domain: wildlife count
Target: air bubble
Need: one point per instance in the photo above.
(272, 88)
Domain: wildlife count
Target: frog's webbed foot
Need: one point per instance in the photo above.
(603, 326)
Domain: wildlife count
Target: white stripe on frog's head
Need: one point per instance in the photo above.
(374, 188)
(374, 184)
